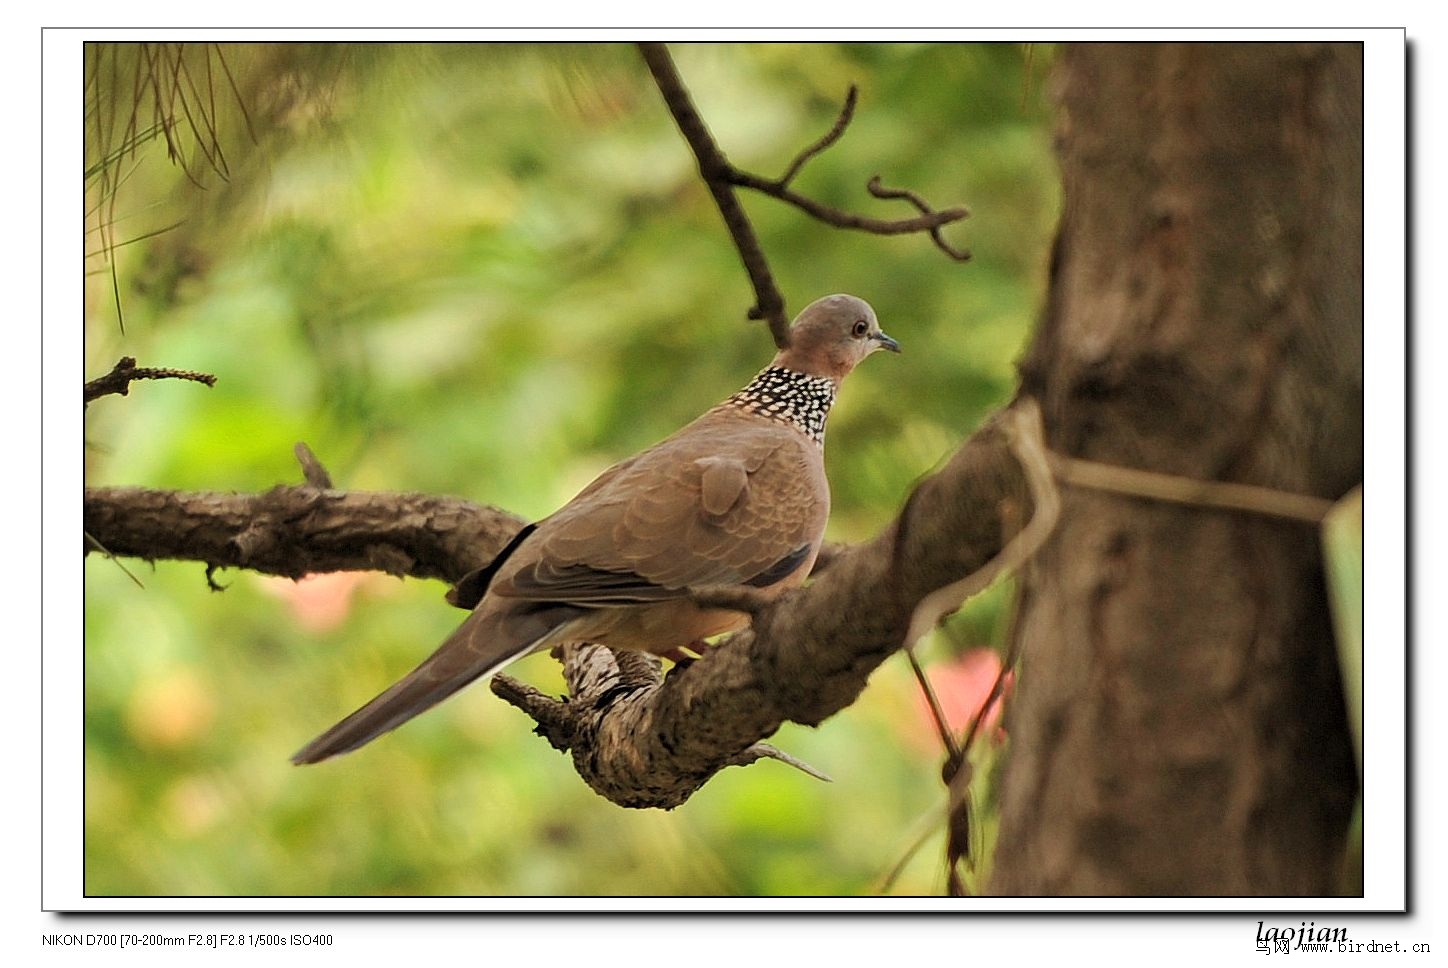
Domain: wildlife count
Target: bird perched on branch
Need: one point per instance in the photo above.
(738, 497)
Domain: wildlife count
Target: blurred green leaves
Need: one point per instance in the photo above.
(491, 270)
(1342, 540)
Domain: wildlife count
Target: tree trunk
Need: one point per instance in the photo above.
(1180, 726)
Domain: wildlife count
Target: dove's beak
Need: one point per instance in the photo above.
(886, 343)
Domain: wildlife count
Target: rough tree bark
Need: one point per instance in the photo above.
(1179, 727)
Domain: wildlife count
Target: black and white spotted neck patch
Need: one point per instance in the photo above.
(791, 397)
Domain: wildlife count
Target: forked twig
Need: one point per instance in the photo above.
(880, 191)
(722, 178)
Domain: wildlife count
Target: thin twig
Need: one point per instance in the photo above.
(94, 543)
(956, 774)
(927, 825)
(118, 381)
(930, 221)
(132, 241)
(847, 114)
(959, 255)
(998, 688)
(1190, 491)
(942, 725)
(1027, 444)
(763, 751)
(236, 93)
(312, 470)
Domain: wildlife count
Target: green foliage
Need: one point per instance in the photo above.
(491, 271)
(1342, 540)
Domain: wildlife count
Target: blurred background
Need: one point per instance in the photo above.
(491, 271)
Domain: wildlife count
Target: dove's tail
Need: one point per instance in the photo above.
(480, 647)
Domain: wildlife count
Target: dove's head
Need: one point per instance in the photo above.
(831, 336)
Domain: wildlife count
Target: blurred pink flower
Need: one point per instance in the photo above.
(963, 685)
(319, 603)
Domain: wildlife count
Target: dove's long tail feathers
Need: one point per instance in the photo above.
(478, 648)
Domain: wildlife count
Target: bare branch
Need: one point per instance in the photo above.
(847, 114)
(930, 221)
(298, 530)
(637, 736)
(722, 177)
(714, 169)
(880, 191)
(119, 379)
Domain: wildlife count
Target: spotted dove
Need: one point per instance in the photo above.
(738, 497)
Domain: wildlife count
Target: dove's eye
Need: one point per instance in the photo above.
(861, 328)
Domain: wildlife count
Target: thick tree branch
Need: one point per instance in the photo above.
(296, 530)
(722, 177)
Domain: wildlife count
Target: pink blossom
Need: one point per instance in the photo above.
(319, 603)
(963, 685)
